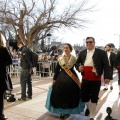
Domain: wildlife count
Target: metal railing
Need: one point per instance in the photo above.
(43, 69)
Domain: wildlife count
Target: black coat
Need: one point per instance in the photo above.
(25, 61)
(5, 60)
(100, 62)
(112, 59)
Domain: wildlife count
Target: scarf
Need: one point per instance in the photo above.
(69, 64)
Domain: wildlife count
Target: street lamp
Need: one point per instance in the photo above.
(119, 39)
(48, 36)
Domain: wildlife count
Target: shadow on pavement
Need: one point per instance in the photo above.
(49, 116)
(101, 103)
(115, 111)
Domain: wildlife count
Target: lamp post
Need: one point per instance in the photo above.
(48, 36)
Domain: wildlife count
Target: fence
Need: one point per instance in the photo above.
(43, 69)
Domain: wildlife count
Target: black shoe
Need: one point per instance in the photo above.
(111, 87)
(87, 112)
(91, 118)
(3, 117)
(105, 89)
(62, 116)
(22, 99)
(29, 97)
(67, 116)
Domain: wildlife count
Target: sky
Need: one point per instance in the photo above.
(105, 27)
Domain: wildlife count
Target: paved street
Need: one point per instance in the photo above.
(34, 109)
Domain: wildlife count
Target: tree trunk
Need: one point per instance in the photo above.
(30, 43)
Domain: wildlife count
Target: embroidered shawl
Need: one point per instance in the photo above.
(69, 64)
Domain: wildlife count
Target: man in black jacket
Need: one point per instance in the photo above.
(91, 63)
(111, 59)
(25, 76)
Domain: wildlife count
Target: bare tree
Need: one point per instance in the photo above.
(29, 18)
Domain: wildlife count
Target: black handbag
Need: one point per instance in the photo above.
(9, 97)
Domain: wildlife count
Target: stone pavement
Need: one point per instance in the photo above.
(34, 109)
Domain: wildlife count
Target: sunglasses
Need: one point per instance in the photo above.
(89, 42)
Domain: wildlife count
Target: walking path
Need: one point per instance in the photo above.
(34, 109)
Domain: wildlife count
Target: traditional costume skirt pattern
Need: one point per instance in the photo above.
(76, 110)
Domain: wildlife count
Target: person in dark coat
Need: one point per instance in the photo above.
(5, 60)
(26, 71)
(92, 62)
(111, 59)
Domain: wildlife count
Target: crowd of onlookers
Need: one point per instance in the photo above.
(46, 62)
(45, 67)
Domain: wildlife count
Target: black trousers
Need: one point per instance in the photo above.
(111, 73)
(90, 90)
(1, 102)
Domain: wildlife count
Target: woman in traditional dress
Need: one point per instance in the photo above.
(64, 95)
